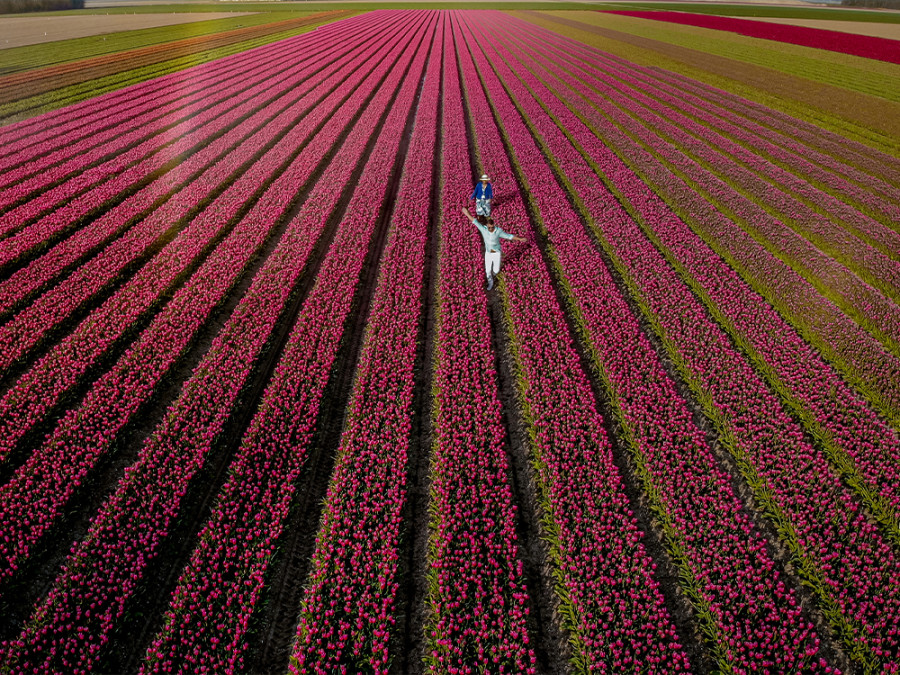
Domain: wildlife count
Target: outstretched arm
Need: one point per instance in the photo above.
(467, 214)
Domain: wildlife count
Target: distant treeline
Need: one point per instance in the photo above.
(888, 4)
(19, 6)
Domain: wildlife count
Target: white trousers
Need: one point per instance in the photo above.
(483, 207)
(491, 263)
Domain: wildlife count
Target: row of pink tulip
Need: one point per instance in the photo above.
(781, 202)
(196, 180)
(39, 388)
(875, 169)
(348, 613)
(33, 500)
(843, 556)
(70, 626)
(249, 517)
(818, 169)
(861, 359)
(65, 205)
(727, 573)
(865, 304)
(25, 142)
(613, 606)
(477, 600)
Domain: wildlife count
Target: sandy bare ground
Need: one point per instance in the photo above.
(20, 31)
(882, 30)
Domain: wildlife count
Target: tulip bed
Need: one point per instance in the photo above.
(689, 371)
(882, 49)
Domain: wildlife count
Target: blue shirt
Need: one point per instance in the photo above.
(491, 239)
(483, 192)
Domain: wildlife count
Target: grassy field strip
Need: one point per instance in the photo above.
(67, 96)
(863, 121)
(858, 356)
(833, 544)
(865, 305)
(476, 601)
(100, 573)
(758, 182)
(40, 56)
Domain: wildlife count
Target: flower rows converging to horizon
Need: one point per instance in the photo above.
(250, 361)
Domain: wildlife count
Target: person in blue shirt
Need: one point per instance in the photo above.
(492, 236)
(483, 194)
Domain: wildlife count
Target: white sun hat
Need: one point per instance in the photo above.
(484, 177)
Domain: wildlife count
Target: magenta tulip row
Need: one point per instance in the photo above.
(99, 170)
(829, 408)
(93, 187)
(32, 502)
(477, 600)
(218, 165)
(348, 613)
(732, 583)
(861, 359)
(103, 570)
(875, 170)
(866, 305)
(615, 609)
(841, 553)
(239, 540)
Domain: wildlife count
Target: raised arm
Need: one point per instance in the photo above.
(467, 214)
(507, 235)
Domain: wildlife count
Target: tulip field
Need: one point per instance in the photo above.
(259, 413)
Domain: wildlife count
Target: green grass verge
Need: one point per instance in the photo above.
(774, 11)
(41, 55)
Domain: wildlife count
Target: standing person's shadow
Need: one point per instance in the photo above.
(499, 201)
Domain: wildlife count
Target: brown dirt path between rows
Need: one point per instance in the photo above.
(35, 82)
(873, 113)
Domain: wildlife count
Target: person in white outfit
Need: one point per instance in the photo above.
(492, 236)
